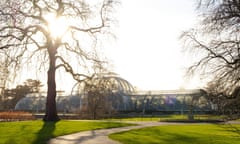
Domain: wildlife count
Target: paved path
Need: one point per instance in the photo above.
(101, 136)
(98, 136)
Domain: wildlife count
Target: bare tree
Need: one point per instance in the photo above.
(4, 75)
(216, 42)
(3, 79)
(104, 93)
(97, 94)
(60, 33)
(224, 103)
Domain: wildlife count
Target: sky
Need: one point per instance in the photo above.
(148, 52)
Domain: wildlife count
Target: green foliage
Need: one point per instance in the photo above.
(34, 86)
(181, 134)
(39, 132)
(12, 96)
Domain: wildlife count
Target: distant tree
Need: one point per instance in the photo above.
(34, 85)
(97, 95)
(12, 96)
(4, 73)
(224, 103)
(60, 33)
(215, 42)
(104, 93)
(4, 77)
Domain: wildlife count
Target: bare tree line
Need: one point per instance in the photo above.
(216, 39)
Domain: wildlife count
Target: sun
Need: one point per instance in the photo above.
(57, 26)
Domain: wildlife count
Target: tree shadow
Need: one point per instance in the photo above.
(45, 133)
(84, 137)
(231, 128)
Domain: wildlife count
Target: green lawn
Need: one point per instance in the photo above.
(153, 118)
(38, 132)
(182, 134)
(170, 118)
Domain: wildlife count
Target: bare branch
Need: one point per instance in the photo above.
(69, 69)
(27, 36)
(216, 41)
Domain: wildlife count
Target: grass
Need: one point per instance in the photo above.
(170, 118)
(39, 132)
(182, 134)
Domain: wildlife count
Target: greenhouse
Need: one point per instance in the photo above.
(37, 103)
(109, 92)
(144, 101)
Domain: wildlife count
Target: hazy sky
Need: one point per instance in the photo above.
(148, 52)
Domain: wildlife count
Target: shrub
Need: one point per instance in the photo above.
(15, 116)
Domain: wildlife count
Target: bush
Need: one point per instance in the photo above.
(16, 116)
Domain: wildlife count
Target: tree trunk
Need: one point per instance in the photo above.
(51, 108)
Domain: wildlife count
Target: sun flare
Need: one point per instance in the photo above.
(56, 25)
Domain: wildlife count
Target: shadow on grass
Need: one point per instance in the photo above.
(45, 133)
(231, 128)
(88, 135)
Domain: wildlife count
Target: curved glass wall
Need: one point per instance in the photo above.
(148, 102)
(37, 104)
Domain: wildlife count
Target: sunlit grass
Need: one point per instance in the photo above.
(182, 134)
(169, 118)
(38, 132)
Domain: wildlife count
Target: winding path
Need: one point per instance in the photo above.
(98, 136)
(101, 136)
